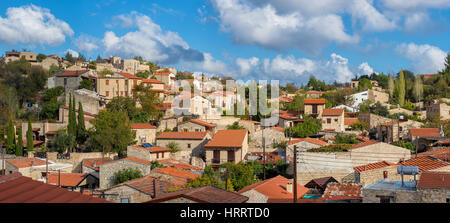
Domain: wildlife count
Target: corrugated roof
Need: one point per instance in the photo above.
(228, 138)
(15, 188)
(206, 194)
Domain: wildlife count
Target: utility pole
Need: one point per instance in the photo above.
(46, 167)
(264, 151)
(295, 174)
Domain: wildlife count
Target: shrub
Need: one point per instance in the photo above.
(125, 175)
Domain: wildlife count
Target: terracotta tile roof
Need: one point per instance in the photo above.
(434, 180)
(228, 138)
(75, 73)
(280, 129)
(441, 153)
(128, 75)
(310, 140)
(142, 126)
(179, 165)
(206, 194)
(136, 160)
(373, 166)
(152, 81)
(26, 162)
(285, 99)
(363, 139)
(332, 112)
(363, 144)
(337, 191)
(155, 149)
(314, 101)
(182, 135)
(275, 188)
(425, 163)
(171, 171)
(95, 162)
(163, 74)
(270, 157)
(425, 132)
(200, 122)
(350, 121)
(15, 188)
(66, 179)
(320, 182)
(146, 185)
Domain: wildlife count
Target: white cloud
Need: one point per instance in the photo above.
(415, 4)
(415, 21)
(264, 26)
(424, 58)
(72, 52)
(86, 43)
(32, 25)
(246, 65)
(370, 18)
(365, 69)
(150, 42)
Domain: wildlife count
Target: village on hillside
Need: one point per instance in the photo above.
(115, 130)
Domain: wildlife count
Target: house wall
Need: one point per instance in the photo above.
(371, 176)
(117, 193)
(150, 136)
(191, 127)
(434, 195)
(196, 150)
(370, 196)
(309, 109)
(337, 123)
(146, 155)
(107, 171)
(377, 153)
(116, 86)
(377, 96)
(73, 83)
(270, 136)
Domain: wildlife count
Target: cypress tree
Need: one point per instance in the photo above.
(401, 88)
(69, 124)
(30, 140)
(81, 129)
(19, 147)
(11, 138)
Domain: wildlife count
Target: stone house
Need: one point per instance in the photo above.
(371, 173)
(71, 80)
(178, 177)
(107, 170)
(372, 120)
(145, 133)
(314, 94)
(191, 144)
(118, 84)
(438, 110)
(399, 131)
(274, 190)
(377, 96)
(196, 125)
(314, 107)
(251, 126)
(387, 191)
(342, 193)
(72, 181)
(169, 123)
(205, 194)
(92, 165)
(137, 191)
(303, 144)
(150, 154)
(289, 119)
(333, 120)
(13, 56)
(227, 146)
(348, 122)
(434, 187)
(418, 136)
(168, 78)
(271, 135)
(92, 101)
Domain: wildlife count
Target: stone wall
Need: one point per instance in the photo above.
(191, 127)
(371, 176)
(149, 134)
(115, 194)
(196, 148)
(370, 196)
(255, 197)
(270, 136)
(434, 195)
(107, 171)
(77, 158)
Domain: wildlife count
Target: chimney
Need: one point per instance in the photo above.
(155, 188)
(289, 187)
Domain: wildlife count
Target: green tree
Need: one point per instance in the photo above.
(149, 100)
(87, 84)
(143, 75)
(11, 138)
(308, 128)
(235, 126)
(30, 142)
(62, 142)
(126, 104)
(173, 146)
(346, 139)
(125, 175)
(241, 175)
(41, 57)
(112, 132)
(418, 88)
(401, 88)
(81, 128)
(19, 147)
(406, 145)
(49, 103)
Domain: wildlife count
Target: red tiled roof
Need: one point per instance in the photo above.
(15, 188)
(336, 191)
(137, 160)
(373, 166)
(425, 163)
(275, 188)
(285, 99)
(179, 165)
(310, 140)
(434, 180)
(66, 179)
(155, 149)
(171, 171)
(350, 121)
(26, 162)
(314, 101)
(425, 132)
(228, 138)
(363, 139)
(359, 145)
(128, 75)
(164, 74)
(142, 126)
(146, 185)
(75, 73)
(332, 112)
(94, 162)
(441, 153)
(206, 194)
(182, 135)
(200, 122)
(280, 129)
(152, 81)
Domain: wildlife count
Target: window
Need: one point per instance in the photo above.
(231, 156)
(135, 83)
(216, 158)
(124, 200)
(189, 145)
(157, 155)
(117, 82)
(107, 94)
(385, 199)
(335, 120)
(107, 82)
(65, 81)
(328, 120)
(162, 155)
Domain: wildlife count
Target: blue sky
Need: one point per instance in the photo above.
(287, 40)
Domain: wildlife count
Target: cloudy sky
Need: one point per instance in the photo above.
(286, 40)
